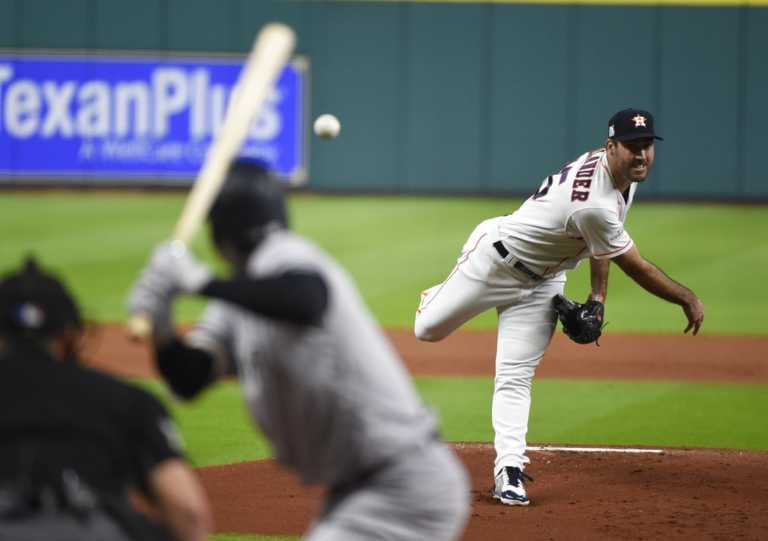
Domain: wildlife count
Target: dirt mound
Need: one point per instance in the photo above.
(680, 494)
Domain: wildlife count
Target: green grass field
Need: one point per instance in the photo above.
(567, 412)
(394, 248)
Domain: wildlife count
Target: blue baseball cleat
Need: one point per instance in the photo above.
(509, 488)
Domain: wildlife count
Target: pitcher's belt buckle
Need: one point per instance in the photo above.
(503, 252)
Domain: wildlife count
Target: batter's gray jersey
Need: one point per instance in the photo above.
(334, 400)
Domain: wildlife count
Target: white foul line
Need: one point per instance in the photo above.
(595, 450)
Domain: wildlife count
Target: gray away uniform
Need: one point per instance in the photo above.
(339, 407)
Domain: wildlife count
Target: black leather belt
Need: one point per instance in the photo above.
(503, 252)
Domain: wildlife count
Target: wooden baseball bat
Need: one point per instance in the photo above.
(271, 51)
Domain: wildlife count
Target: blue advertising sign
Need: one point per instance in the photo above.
(101, 118)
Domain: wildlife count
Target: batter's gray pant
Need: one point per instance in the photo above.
(424, 495)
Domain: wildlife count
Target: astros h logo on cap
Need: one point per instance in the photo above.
(630, 124)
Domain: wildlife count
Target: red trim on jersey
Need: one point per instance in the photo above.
(455, 269)
(609, 254)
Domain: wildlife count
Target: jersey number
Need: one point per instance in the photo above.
(547, 184)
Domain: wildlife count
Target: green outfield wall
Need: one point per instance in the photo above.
(477, 97)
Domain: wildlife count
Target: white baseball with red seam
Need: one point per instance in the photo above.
(327, 126)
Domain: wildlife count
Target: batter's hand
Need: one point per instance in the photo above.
(172, 269)
(152, 297)
(694, 311)
(176, 263)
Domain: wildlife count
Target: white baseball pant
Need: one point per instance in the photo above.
(481, 280)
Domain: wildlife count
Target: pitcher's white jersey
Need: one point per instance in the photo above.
(335, 399)
(577, 213)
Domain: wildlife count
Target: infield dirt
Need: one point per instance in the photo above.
(682, 494)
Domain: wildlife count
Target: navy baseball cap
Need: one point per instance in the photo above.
(630, 124)
(35, 304)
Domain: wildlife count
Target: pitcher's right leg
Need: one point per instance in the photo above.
(471, 288)
(445, 307)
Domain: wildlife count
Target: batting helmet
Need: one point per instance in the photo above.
(250, 204)
(35, 304)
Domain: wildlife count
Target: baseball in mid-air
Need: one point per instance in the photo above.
(327, 126)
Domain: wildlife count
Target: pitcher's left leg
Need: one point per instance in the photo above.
(525, 330)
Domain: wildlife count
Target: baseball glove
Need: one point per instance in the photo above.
(583, 323)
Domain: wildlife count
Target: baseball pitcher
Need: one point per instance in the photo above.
(319, 377)
(517, 264)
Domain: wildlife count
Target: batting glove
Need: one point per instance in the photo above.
(175, 263)
(152, 297)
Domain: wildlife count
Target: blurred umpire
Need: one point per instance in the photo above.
(74, 442)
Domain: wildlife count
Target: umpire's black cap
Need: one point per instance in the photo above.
(630, 124)
(35, 304)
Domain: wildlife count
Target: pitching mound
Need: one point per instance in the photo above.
(680, 494)
(691, 494)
